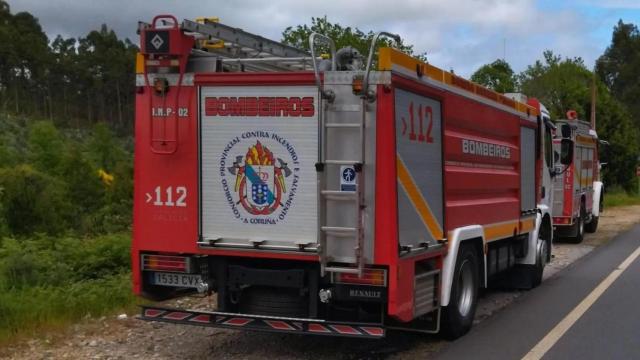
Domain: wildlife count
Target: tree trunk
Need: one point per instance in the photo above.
(65, 110)
(50, 102)
(88, 108)
(103, 109)
(15, 88)
(119, 104)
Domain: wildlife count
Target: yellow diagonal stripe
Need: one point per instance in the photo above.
(507, 229)
(418, 201)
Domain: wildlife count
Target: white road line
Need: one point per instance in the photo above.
(556, 333)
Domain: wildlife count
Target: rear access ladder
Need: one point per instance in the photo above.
(349, 163)
(350, 167)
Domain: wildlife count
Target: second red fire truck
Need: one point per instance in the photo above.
(579, 192)
(321, 196)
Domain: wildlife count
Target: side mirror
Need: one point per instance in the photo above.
(566, 152)
(566, 130)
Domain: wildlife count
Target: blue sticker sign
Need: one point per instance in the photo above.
(347, 178)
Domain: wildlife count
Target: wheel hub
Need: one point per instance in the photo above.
(465, 288)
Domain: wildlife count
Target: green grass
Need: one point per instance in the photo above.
(49, 282)
(620, 198)
(27, 311)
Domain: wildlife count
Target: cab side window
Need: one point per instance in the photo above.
(548, 147)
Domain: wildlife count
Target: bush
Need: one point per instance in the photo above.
(116, 215)
(33, 201)
(46, 147)
(50, 261)
(104, 149)
(4, 227)
(86, 191)
(50, 183)
(47, 280)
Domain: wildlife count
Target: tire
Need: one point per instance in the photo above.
(259, 300)
(592, 226)
(457, 317)
(535, 272)
(577, 239)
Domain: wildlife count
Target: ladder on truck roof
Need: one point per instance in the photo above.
(245, 51)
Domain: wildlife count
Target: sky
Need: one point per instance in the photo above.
(455, 34)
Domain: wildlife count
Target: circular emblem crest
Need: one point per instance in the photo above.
(260, 187)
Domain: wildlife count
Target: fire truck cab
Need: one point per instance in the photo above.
(323, 196)
(579, 191)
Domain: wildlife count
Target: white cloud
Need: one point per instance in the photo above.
(459, 34)
(616, 4)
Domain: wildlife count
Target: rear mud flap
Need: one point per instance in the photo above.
(262, 323)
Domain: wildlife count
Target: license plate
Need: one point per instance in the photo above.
(176, 280)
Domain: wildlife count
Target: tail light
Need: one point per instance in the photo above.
(372, 277)
(562, 220)
(166, 263)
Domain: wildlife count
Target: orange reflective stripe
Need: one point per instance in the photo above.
(507, 229)
(387, 57)
(418, 201)
(500, 231)
(527, 225)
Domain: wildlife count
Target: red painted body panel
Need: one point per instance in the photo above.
(400, 295)
(479, 189)
(386, 231)
(567, 209)
(164, 228)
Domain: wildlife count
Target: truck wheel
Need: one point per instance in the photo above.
(541, 260)
(457, 317)
(260, 300)
(579, 228)
(592, 226)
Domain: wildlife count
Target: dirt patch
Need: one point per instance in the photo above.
(113, 338)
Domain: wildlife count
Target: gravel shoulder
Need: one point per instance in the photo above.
(128, 338)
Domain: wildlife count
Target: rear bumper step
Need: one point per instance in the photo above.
(262, 323)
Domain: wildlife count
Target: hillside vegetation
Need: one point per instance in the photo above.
(60, 191)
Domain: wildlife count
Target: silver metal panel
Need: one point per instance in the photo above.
(346, 77)
(172, 79)
(419, 148)
(527, 169)
(344, 143)
(258, 174)
(425, 293)
(412, 229)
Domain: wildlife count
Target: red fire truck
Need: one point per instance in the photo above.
(319, 196)
(579, 192)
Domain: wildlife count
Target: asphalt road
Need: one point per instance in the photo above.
(608, 329)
